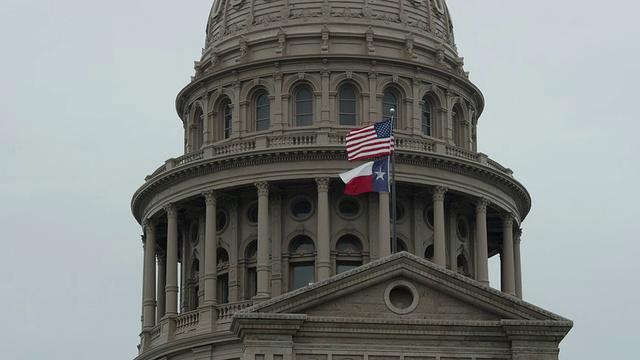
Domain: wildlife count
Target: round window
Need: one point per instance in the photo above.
(252, 213)
(349, 208)
(401, 297)
(463, 228)
(221, 220)
(301, 208)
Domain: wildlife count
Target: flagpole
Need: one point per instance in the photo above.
(394, 242)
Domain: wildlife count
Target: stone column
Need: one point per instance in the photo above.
(149, 303)
(210, 247)
(517, 262)
(323, 263)
(171, 290)
(162, 283)
(439, 250)
(482, 248)
(262, 266)
(384, 230)
(507, 263)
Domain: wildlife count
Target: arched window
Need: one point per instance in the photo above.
(263, 112)
(251, 280)
(301, 262)
(389, 101)
(349, 253)
(347, 106)
(426, 118)
(401, 245)
(227, 120)
(456, 119)
(222, 282)
(303, 107)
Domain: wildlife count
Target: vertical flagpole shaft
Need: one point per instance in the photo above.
(394, 242)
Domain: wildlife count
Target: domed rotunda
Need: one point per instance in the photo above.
(252, 251)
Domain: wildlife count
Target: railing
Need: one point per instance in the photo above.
(154, 335)
(305, 139)
(226, 311)
(186, 321)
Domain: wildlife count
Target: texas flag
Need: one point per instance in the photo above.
(369, 177)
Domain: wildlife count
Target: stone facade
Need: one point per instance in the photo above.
(252, 251)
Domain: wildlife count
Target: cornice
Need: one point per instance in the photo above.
(247, 159)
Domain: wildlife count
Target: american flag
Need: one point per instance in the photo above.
(371, 141)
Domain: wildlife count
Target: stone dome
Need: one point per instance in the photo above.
(243, 31)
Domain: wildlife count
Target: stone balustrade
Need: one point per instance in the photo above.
(310, 139)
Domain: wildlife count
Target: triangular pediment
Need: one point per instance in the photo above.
(403, 287)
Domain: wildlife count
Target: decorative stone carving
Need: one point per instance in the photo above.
(441, 58)
(263, 188)
(285, 13)
(438, 193)
(282, 38)
(326, 10)
(325, 39)
(323, 184)
(172, 211)
(460, 67)
(244, 48)
(481, 204)
(149, 227)
(408, 46)
(367, 13)
(209, 197)
(507, 220)
(369, 38)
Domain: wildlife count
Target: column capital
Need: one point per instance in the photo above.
(149, 226)
(517, 234)
(507, 220)
(481, 204)
(438, 193)
(323, 184)
(172, 211)
(209, 197)
(263, 188)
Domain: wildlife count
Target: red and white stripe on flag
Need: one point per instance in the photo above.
(370, 141)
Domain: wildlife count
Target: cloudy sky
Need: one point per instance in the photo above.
(87, 110)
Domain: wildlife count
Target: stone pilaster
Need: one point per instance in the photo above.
(149, 303)
(162, 283)
(507, 262)
(262, 266)
(210, 269)
(171, 289)
(482, 249)
(323, 262)
(517, 262)
(439, 250)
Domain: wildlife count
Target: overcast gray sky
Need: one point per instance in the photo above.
(87, 110)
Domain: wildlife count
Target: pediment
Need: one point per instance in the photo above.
(403, 287)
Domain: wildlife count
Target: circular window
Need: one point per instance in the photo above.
(252, 213)
(301, 208)
(463, 228)
(221, 220)
(349, 208)
(401, 297)
(428, 216)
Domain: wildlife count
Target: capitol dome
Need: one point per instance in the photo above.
(253, 250)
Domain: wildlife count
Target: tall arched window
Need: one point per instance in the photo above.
(347, 106)
(456, 118)
(263, 112)
(349, 253)
(193, 284)
(428, 253)
(426, 118)
(301, 262)
(227, 120)
(303, 107)
(401, 245)
(389, 101)
(222, 282)
(251, 279)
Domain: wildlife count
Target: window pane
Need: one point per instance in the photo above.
(342, 267)
(303, 275)
(263, 109)
(426, 118)
(303, 120)
(304, 107)
(389, 101)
